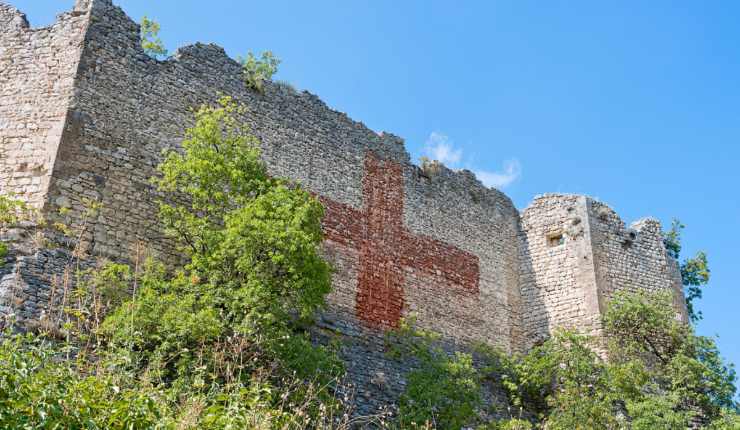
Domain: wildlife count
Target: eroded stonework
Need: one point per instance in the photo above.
(85, 115)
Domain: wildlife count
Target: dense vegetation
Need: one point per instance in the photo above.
(221, 341)
(217, 343)
(660, 375)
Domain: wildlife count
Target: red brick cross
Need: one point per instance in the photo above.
(386, 247)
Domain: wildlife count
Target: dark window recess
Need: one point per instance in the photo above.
(554, 240)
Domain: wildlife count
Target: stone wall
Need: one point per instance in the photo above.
(632, 258)
(86, 116)
(37, 71)
(437, 244)
(557, 276)
(575, 253)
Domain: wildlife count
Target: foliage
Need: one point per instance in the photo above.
(12, 212)
(38, 390)
(672, 239)
(510, 424)
(694, 271)
(561, 384)
(217, 343)
(255, 276)
(695, 274)
(258, 70)
(150, 41)
(659, 375)
(684, 368)
(444, 391)
(253, 240)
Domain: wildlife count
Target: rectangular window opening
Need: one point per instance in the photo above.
(555, 239)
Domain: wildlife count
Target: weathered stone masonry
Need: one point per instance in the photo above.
(85, 114)
(387, 249)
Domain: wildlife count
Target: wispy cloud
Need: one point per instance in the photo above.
(441, 148)
(511, 171)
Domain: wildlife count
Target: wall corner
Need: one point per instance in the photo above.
(587, 268)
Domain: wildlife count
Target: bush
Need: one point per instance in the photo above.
(39, 389)
(217, 343)
(444, 391)
(258, 71)
(660, 374)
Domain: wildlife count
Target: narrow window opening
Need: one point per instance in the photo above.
(556, 239)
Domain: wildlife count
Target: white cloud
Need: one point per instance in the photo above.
(439, 147)
(511, 172)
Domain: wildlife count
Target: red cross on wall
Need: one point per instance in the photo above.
(386, 247)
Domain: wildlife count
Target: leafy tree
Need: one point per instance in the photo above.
(255, 237)
(444, 391)
(150, 41)
(685, 371)
(219, 342)
(258, 70)
(254, 280)
(694, 271)
(659, 375)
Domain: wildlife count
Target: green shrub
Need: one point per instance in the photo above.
(39, 389)
(444, 391)
(150, 41)
(660, 374)
(217, 343)
(12, 211)
(259, 70)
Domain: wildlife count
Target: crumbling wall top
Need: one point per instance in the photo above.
(11, 17)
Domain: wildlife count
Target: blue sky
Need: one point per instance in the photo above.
(635, 103)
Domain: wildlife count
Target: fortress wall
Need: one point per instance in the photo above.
(557, 276)
(631, 258)
(37, 70)
(456, 208)
(441, 246)
(85, 115)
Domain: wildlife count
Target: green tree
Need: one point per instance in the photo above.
(234, 317)
(219, 342)
(659, 374)
(685, 372)
(253, 236)
(150, 41)
(694, 270)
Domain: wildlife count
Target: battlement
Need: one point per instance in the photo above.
(86, 114)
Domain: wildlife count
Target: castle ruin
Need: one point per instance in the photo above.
(86, 114)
